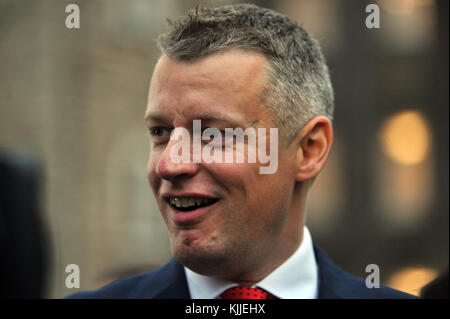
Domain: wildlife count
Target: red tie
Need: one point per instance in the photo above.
(243, 292)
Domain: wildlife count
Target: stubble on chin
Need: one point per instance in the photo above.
(205, 256)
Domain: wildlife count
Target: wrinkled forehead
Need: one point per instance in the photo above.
(230, 82)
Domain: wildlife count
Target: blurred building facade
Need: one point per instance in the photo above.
(75, 99)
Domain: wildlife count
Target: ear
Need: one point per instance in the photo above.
(314, 142)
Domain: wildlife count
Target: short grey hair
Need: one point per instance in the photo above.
(299, 86)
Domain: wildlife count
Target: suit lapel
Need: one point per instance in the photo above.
(167, 282)
(176, 288)
(331, 278)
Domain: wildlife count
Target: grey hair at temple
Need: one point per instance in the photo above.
(299, 86)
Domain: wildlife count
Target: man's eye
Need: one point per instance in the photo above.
(212, 138)
(159, 132)
(212, 130)
(159, 135)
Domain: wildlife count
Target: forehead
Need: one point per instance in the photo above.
(230, 83)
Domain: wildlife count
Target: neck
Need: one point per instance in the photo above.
(258, 274)
(290, 240)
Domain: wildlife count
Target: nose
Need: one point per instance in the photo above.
(169, 168)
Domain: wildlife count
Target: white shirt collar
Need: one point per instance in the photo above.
(296, 278)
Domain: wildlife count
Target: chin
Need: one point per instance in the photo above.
(204, 260)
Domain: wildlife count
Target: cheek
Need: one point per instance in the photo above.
(241, 183)
(235, 176)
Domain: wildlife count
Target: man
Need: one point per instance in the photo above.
(236, 232)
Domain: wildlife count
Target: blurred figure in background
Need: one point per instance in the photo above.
(23, 240)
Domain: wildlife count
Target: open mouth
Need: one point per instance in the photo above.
(187, 204)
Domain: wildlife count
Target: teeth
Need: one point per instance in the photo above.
(188, 201)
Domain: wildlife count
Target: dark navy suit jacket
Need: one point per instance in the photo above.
(169, 282)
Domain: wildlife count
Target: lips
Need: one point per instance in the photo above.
(186, 204)
(189, 208)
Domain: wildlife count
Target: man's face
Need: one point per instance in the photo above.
(246, 215)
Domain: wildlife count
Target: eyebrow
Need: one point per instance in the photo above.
(207, 117)
(218, 117)
(153, 117)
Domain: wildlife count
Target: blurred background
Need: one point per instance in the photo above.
(74, 145)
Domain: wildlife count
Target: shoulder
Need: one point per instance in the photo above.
(334, 283)
(356, 288)
(165, 282)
